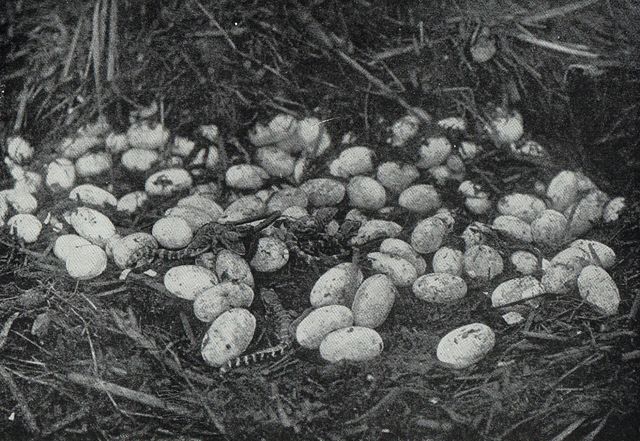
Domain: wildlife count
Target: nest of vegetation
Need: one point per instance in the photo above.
(113, 360)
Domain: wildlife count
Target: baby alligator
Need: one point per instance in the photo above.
(207, 237)
(283, 332)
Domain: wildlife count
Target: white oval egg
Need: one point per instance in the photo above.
(194, 217)
(598, 289)
(400, 248)
(126, 251)
(482, 263)
(366, 193)
(354, 343)
(203, 203)
(275, 162)
(22, 202)
(466, 345)
(516, 290)
(400, 271)
(549, 229)
(434, 152)
(93, 164)
(375, 229)
(26, 227)
(93, 195)
(246, 177)
(448, 260)
(187, 281)
(439, 288)
(395, 176)
(139, 160)
(243, 208)
(563, 190)
(428, 234)
(337, 286)
(86, 262)
(172, 232)
(68, 244)
(91, 224)
(351, 162)
(132, 202)
(587, 213)
(314, 327)
(168, 181)
(232, 267)
(147, 136)
(513, 227)
(373, 301)
(271, 255)
(525, 206)
(213, 301)
(324, 192)
(420, 198)
(228, 336)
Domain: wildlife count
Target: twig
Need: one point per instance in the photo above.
(303, 15)
(119, 391)
(29, 419)
(555, 46)
(69, 419)
(569, 430)
(6, 328)
(557, 12)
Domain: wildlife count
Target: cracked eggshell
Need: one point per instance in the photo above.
(355, 343)
(168, 181)
(314, 136)
(320, 322)
(445, 215)
(525, 206)
(587, 213)
(116, 143)
(453, 123)
(403, 130)
(19, 150)
(172, 232)
(428, 234)
(562, 191)
(482, 263)
(337, 286)
(232, 267)
(516, 290)
(351, 162)
(468, 150)
(68, 244)
(613, 209)
(182, 146)
(373, 301)
(86, 262)
(324, 192)
(246, 177)
(213, 301)
(440, 288)
(513, 227)
(132, 202)
(144, 135)
(275, 162)
(375, 229)
(28, 181)
(187, 281)
(400, 271)
(466, 345)
(449, 261)
(400, 248)
(478, 205)
(560, 278)
(549, 229)
(598, 289)
(441, 174)
(22, 202)
(61, 175)
(506, 128)
(396, 176)
(91, 224)
(93, 164)
(604, 255)
(286, 198)
(434, 152)
(26, 227)
(420, 199)
(475, 233)
(228, 336)
(139, 160)
(366, 193)
(126, 251)
(93, 195)
(271, 255)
